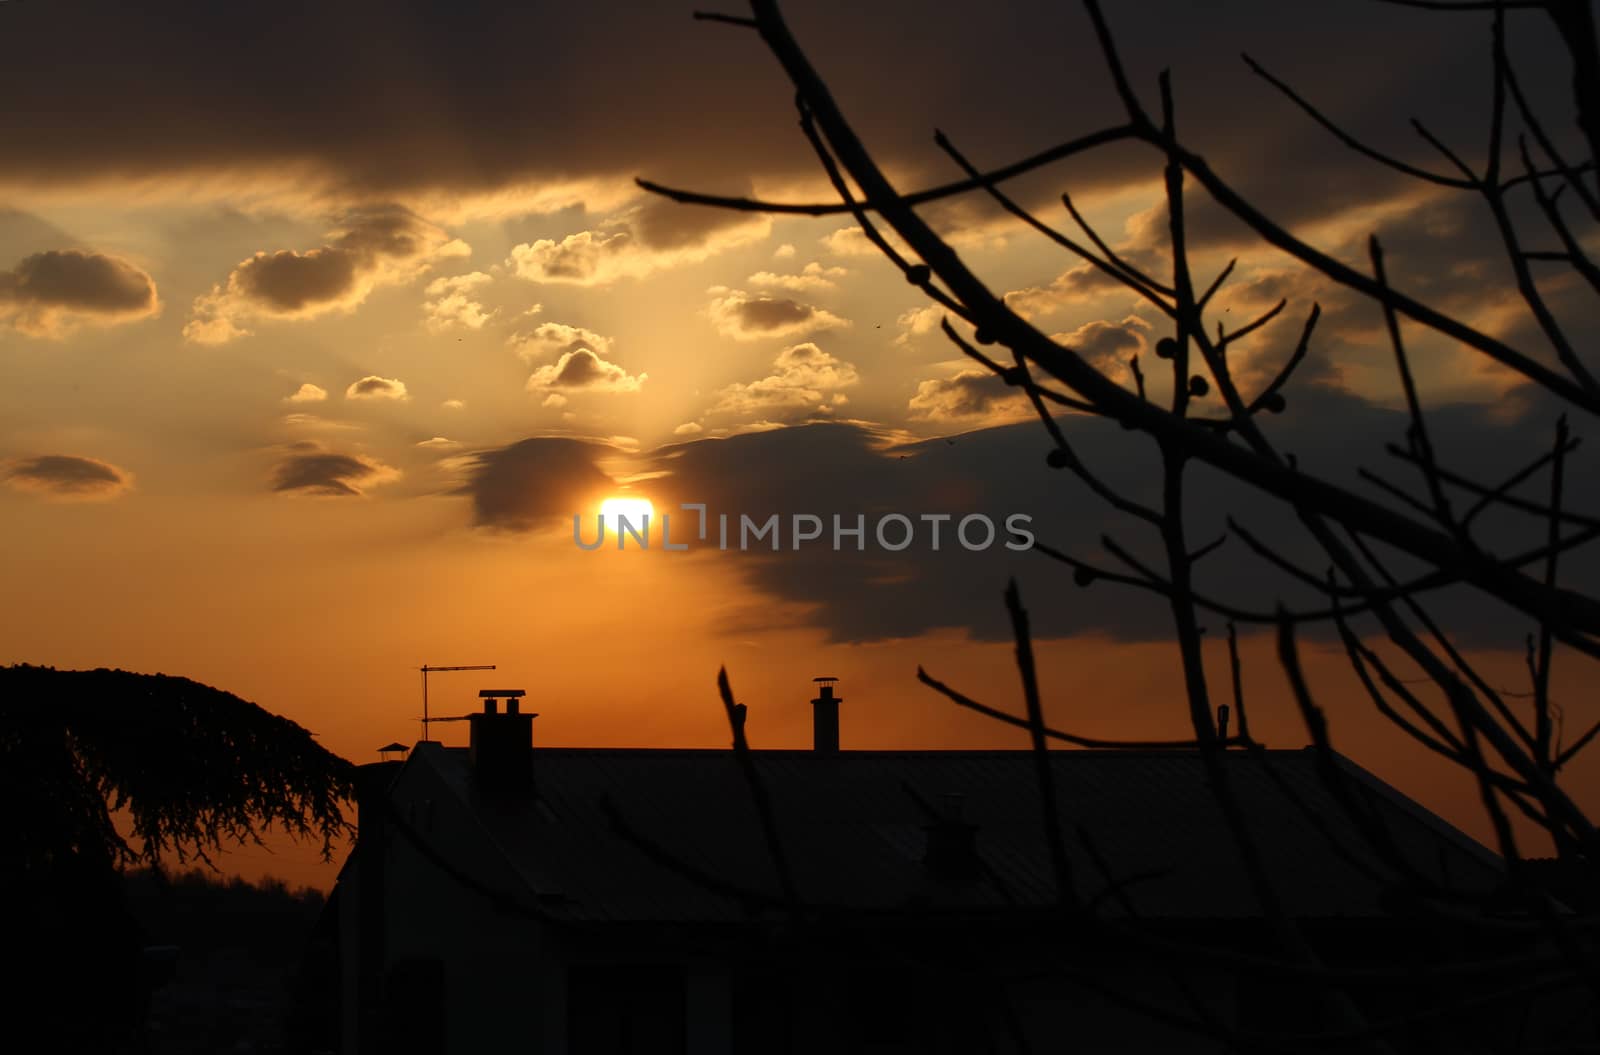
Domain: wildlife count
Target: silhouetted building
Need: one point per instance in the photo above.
(506, 897)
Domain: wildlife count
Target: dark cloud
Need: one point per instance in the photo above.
(1076, 285)
(577, 370)
(67, 476)
(375, 387)
(287, 281)
(746, 316)
(479, 94)
(1105, 342)
(370, 246)
(662, 224)
(878, 594)
(768, 314)
(1441, 248)
(536, 481)
(47, 291)
(586, 370)
(970, 394)
(309, 470)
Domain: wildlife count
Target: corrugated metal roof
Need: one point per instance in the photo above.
(854, 831)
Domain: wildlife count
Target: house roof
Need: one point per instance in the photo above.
(853, 826)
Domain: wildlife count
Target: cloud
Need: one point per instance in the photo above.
(454, 404)
(689, 428)
(646, 238)
(535, 481)
(973, 396)
(580, 362)
(307, 393)
(918, 322)
(47, 293)
(310, 470)
(374, 387)
(557, 338)
(449, 303)
(853, 241)
(804, 377)
(1077, 285)
(877, 594)
(440, 443)
(583, 369)
(812, 278)
(748, 317)
(371, 246)
(1107, 345)
(967, 223)
(66, 477)
(289, 107)
(783, 252)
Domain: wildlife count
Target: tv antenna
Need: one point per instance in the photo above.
(426, 670)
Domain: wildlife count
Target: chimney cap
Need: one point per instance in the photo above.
(826, 679)
(493, 694)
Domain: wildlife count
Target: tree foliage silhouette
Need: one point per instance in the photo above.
(189, 767)
(104, 769)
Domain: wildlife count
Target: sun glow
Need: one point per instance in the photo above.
(634, 510)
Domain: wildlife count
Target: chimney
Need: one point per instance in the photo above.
(952, 849)
(501, 750)
(825, 718)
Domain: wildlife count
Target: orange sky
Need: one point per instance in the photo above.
(295, 336)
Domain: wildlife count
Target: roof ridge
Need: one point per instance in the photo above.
(1418, 811)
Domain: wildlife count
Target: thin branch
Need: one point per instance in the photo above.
(1111, 266)
(731, 20)
(1008, 374)
(1572, 174)
(1500, 496)
(1261, 320)
(916, 274)
(1541, 680)
(960, 699)
(1492, 495)
(758, 793)
(994, 176)
(1111, 254)
(1237, 678)
(1577, 746)
(1066, 893)
(1216, 283)
(1419, 427)
(1573, 255)
(1351, 141)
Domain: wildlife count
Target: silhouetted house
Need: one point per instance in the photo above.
(503, 897)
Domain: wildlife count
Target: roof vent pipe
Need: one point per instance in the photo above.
(825, 718)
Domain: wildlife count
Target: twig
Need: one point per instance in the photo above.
(1066, 893)
(758, 793)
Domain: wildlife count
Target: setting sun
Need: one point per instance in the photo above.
(638, 512)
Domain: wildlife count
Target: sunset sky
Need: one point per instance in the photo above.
(319, 322)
